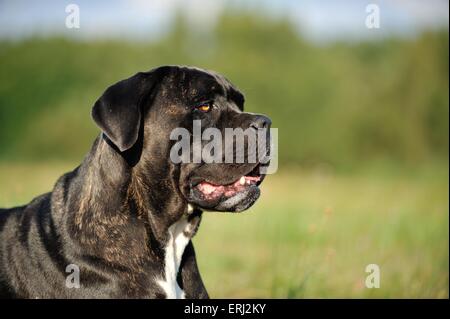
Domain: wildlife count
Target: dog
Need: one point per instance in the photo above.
(124, 219)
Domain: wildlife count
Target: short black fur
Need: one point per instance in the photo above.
(110, 216)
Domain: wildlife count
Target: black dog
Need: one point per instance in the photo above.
(126, 215)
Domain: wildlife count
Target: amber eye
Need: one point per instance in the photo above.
(205, 107)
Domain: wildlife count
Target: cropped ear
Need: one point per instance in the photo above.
(118, 111)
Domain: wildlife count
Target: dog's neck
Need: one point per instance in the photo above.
(106, 181)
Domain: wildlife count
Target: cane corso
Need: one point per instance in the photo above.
(120, 224)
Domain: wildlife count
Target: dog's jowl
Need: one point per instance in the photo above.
(123, 220)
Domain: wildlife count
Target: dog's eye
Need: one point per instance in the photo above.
(204, 107)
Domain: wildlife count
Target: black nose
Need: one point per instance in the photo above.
(260, 121)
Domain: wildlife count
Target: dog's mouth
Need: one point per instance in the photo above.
(212, 191)
(235, 196)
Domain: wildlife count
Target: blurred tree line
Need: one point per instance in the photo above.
(342, 104)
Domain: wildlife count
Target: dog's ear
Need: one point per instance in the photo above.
(118, 111)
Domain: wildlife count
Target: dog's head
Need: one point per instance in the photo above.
(138, 116)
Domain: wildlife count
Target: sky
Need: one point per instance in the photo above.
(316, 20)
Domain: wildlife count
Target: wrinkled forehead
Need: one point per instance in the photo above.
(197, 85)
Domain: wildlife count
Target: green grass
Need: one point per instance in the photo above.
(311, 234)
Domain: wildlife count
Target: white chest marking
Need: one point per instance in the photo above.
(173, 253)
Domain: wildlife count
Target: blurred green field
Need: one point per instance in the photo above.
(347, 104)
(311, 234)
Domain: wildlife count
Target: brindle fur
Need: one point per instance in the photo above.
(111, 214)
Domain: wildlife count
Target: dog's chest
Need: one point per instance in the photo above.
(174, 249)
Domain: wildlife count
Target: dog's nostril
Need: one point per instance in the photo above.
(261, 121)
